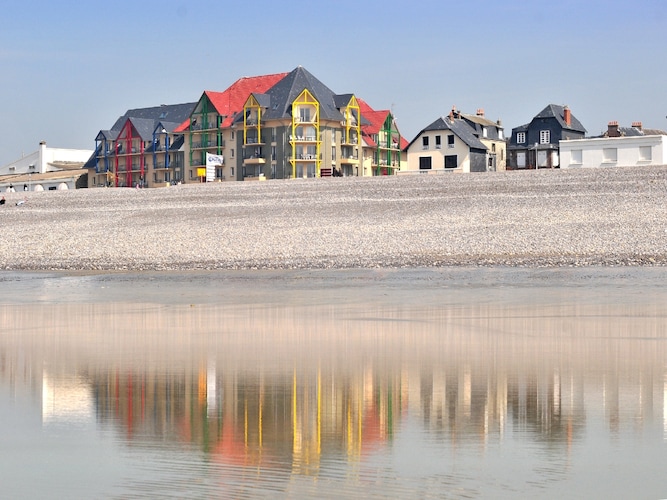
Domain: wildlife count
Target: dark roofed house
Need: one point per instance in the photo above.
(457, 142)
(535, 144)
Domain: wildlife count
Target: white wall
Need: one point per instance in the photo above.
(437, 154)
(40, 159)
(614, 152)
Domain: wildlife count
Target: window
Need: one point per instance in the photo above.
(333, 153)
(545, 136)
(232, 153)
(451, 161)
(232, 135)
(609, 155)
(493, 147)
(424, 163)
(304, 114)
(645, 153)
(437, 142)
(485, 132)
(500, 134)
(450, 141)
(520, 137)
(576, 156)
(425, 142)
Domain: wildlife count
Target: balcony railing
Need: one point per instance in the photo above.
(302, 138)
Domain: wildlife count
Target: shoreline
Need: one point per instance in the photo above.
(551, 218)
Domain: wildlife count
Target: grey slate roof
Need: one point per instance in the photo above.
(459, 127)
(169, 112)
(106, 135)
(264, 100)
(556, 111)
(283, 93)
(143, 126)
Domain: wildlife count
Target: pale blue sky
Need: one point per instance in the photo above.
(69, 69)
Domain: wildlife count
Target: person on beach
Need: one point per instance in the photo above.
(2, 201)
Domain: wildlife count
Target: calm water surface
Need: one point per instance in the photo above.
(459, 383)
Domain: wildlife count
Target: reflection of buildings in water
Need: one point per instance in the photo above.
(315, 381)
(67, 399)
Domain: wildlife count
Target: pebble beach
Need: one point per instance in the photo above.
(584, 217)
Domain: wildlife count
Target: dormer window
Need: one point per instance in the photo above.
(520, 137)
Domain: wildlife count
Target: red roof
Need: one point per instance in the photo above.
(231, 101)
(376, 119)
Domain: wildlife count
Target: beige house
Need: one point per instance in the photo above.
(457, 143)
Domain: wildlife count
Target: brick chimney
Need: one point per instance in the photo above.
(567, 116)
(637, 125)
(480, 112)
(452, 113)
(612, 129)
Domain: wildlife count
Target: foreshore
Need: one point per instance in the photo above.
(586, 217)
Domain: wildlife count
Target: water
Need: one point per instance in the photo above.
(455, 383)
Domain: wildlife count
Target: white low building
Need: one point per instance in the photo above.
(618, 148)
(45, 169)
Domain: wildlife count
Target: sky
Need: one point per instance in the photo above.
(70, 69)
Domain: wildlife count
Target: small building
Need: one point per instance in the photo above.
(46, 169)
(617, 147)
(457, 143)
(536, 144)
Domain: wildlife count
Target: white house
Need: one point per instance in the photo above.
(45, 169)
(619, 147)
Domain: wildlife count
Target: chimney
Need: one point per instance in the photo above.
(452, 113)
(567, 115)
(42, 160)
(637, 125)
(480, 112)
(612, 129)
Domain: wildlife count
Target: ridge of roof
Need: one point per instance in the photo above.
(458, 126)
(284, 92)
(171, 112)
(230, 101)
(558, 112)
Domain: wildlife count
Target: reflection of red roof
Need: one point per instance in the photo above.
(230, 449)
(231, 101)
(373, 437)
